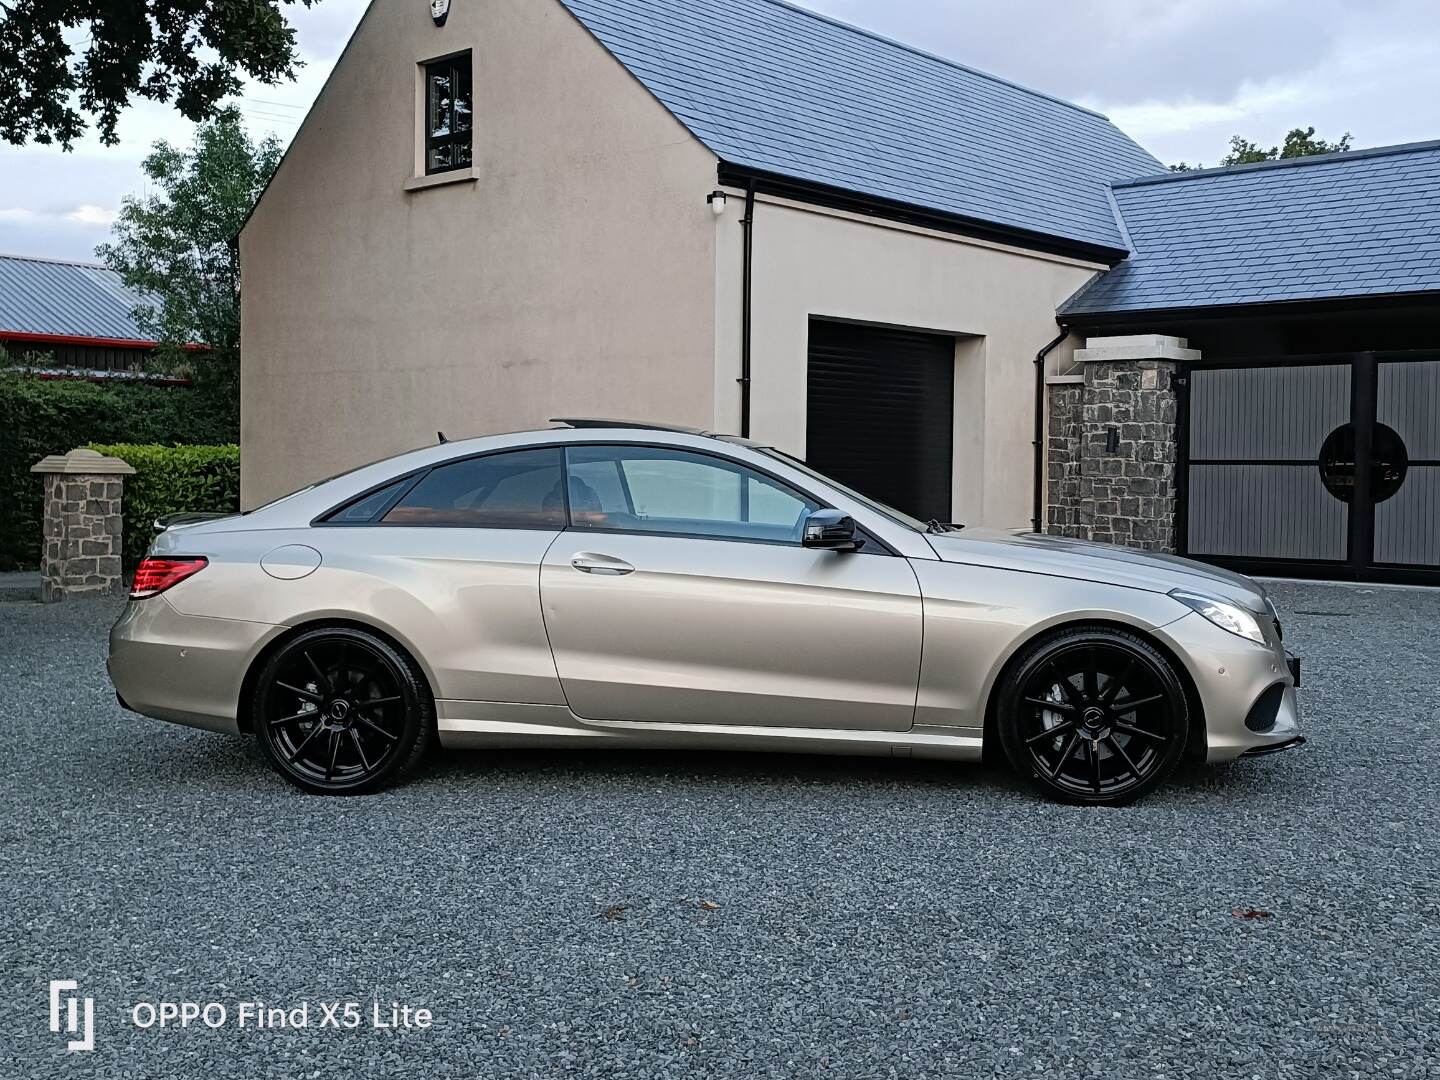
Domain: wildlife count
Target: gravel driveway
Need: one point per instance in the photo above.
(672, 915)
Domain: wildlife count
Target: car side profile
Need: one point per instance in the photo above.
(610, 584)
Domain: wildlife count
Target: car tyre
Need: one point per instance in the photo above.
(341, 711)
(1093, 715)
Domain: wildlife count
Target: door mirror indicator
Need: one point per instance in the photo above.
(831, 530)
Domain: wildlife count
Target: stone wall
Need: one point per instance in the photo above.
(84, 526)
(82, 536)
(1112, 444)
(1062, 505)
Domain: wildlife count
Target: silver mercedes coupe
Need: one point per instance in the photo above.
(610, 584)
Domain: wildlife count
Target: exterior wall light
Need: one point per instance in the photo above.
(716, 199)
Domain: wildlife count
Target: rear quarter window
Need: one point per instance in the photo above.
(519, 489)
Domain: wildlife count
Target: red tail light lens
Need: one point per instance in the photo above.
(153, 576)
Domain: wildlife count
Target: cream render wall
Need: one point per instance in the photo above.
(998, 302)
(574, 274)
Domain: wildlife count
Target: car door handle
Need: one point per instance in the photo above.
(591, 563)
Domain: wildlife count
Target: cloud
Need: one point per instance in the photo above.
(89, 214)
(1184, 77)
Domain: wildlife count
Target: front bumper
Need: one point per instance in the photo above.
(1232, 676)
(183, 668)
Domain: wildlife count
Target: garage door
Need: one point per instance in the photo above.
(880, 413)
(1329, 467)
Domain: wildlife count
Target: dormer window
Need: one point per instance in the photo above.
(447, 114)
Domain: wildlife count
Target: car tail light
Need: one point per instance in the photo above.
(154, 575)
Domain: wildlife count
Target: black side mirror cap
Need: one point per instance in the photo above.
(831, 530)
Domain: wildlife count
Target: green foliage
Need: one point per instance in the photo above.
(1299, 142)
(177, 247)
(169, 479)
(60, 59)
(40, 417)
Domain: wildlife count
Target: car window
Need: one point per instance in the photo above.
(516, 490)
(657, 489)
(367, 506)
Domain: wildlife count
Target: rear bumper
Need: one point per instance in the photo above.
(182, 668)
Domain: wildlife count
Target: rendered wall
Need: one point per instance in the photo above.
(574, 274)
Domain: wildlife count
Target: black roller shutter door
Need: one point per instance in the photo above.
(880, 413)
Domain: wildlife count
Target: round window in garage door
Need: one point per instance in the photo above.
(1388, 465)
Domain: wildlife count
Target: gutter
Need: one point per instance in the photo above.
(836, 198)
(1038, 505)
(747, 223)
(77, 339)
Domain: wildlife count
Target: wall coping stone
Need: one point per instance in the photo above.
(1132, 347)
(1065, 380)
(81, 461)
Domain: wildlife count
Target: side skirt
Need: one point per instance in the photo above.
(479, 724)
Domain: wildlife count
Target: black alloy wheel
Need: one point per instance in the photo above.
(1093, 715)
(340, 711)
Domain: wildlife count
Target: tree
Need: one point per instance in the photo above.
(178, 248)
(1299, 142)
(62, 61)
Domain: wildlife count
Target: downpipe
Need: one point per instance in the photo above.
(1038, 443)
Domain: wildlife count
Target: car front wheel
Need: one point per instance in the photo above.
(339, 711)
(1093, 715)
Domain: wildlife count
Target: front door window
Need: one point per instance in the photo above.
(663, 490)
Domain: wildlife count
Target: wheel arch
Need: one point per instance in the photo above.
(320, 622)
(1196, 741)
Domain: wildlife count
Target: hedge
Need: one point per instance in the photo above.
(169, 479)
(41, 416)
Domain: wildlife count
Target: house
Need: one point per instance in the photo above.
(70, 319)
(970, 299)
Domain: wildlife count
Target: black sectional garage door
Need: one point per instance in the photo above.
(1328, 466)
(880, 413)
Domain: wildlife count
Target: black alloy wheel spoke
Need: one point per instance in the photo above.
(359, 749)
(291, 719)
(1130, 729)
(375, 727)
(334, 751)
(1046, 703)
(1116, 682)
(1129, 706)
(1066, 687)
(321, 678)
(1117, 748)
(308, 695)
(371, 702)
(1091, 676)
(1052, 733)
(1094, 751)
(319, 727)
(1065, 753)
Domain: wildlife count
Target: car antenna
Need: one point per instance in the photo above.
(441, 436)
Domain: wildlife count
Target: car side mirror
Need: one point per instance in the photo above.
(831, 530)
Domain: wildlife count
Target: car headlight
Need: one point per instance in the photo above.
(1224, 614)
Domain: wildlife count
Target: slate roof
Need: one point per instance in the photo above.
(778, 89)
(1355, 224)
(65, 299)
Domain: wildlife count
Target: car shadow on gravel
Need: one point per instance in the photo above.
(227, 764)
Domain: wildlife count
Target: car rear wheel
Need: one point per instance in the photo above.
(341, 711)
(1093, 715)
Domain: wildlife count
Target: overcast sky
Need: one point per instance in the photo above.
(1180, 76)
